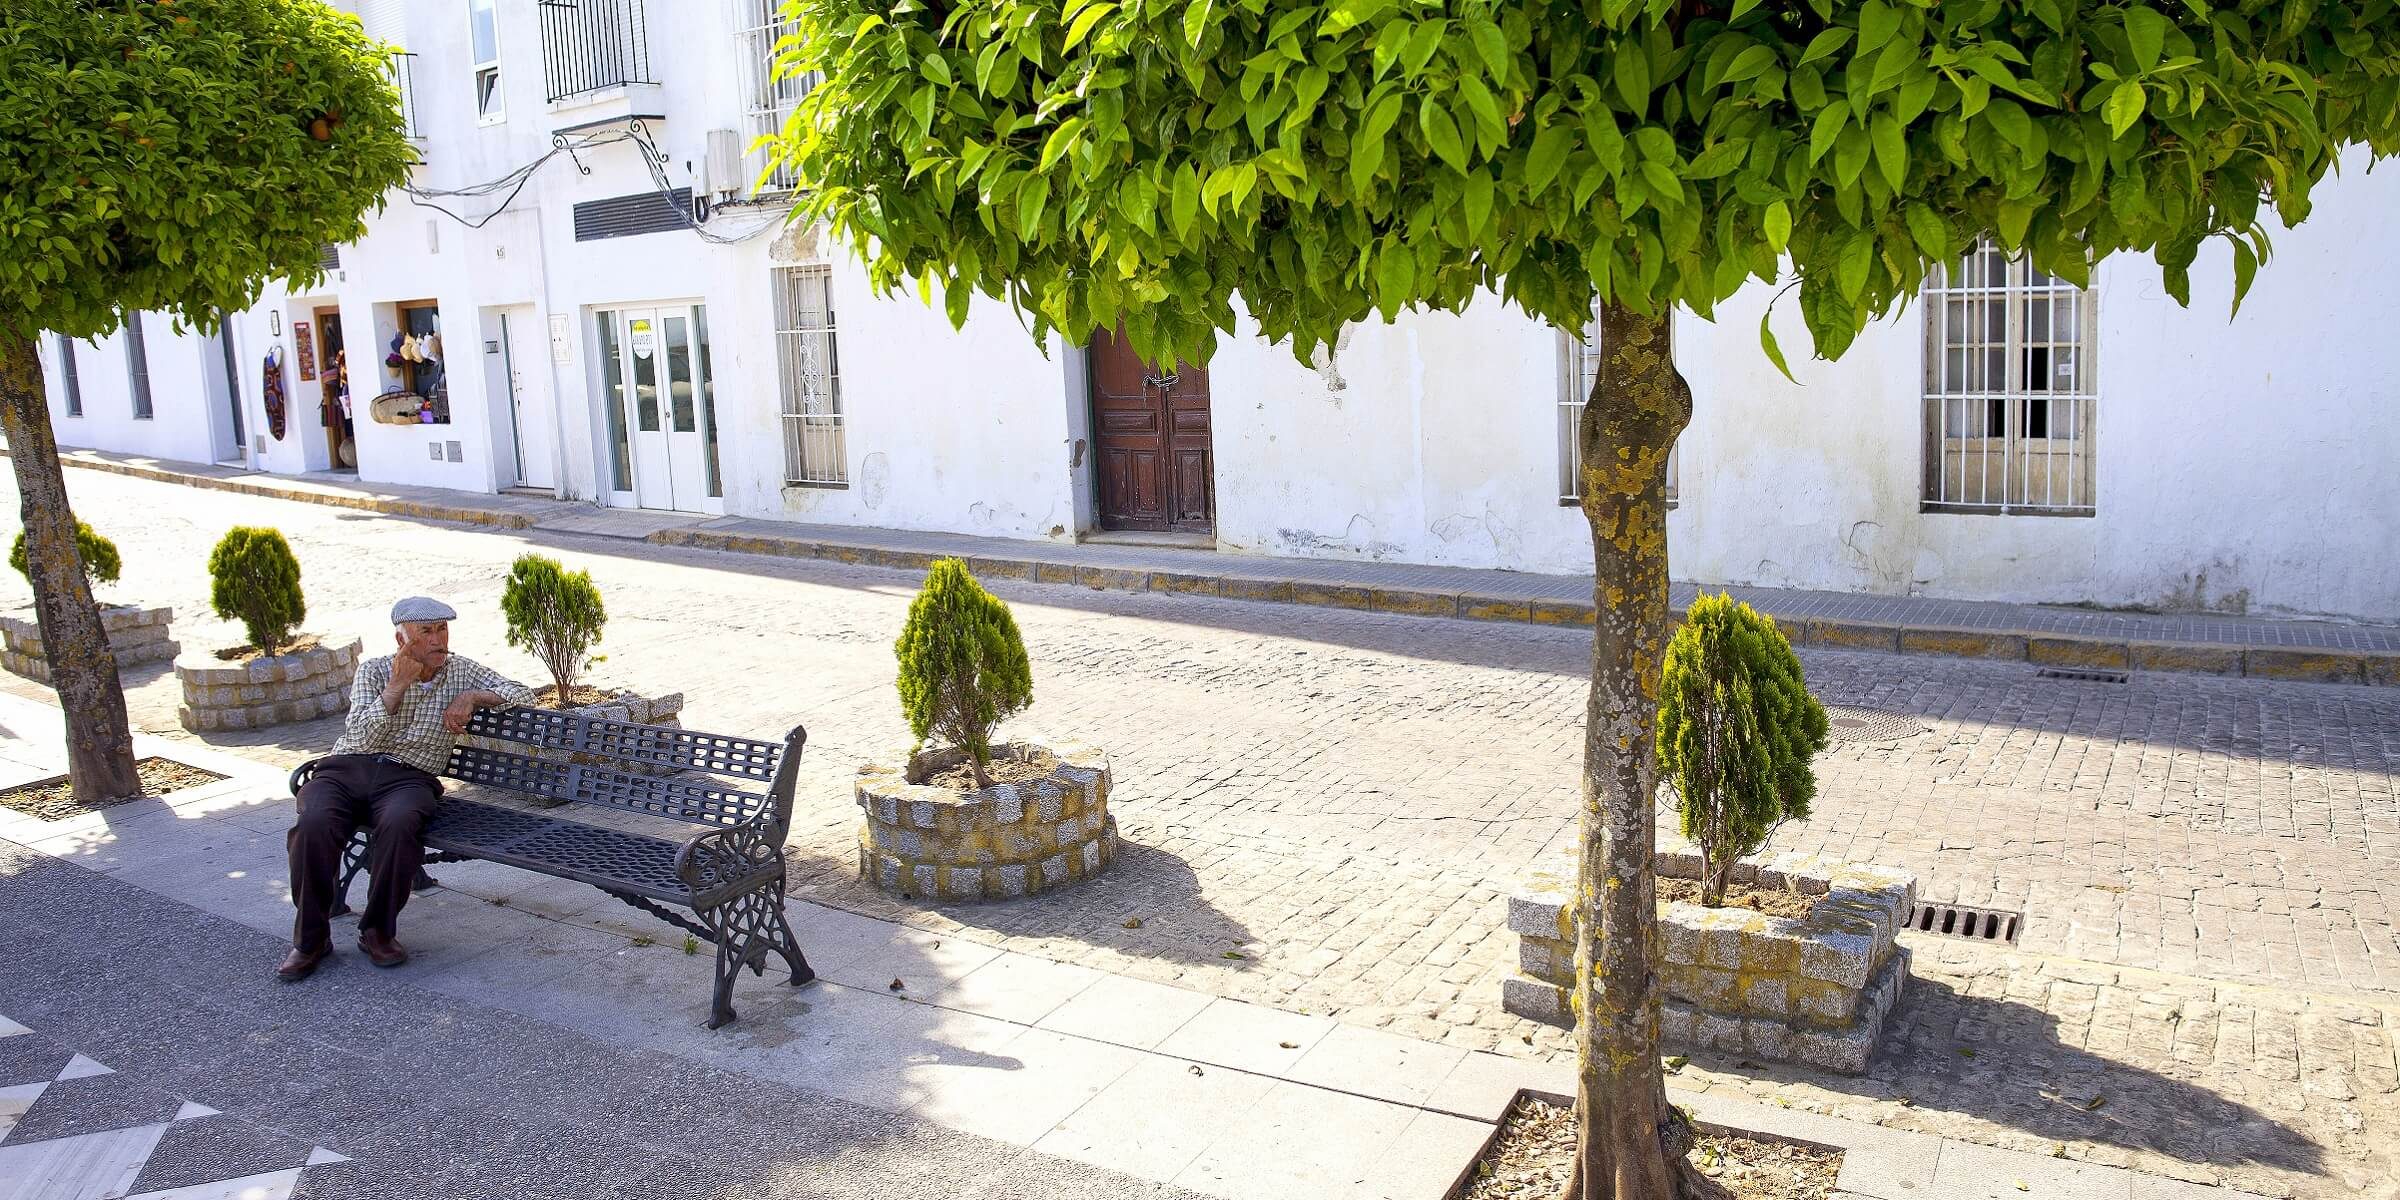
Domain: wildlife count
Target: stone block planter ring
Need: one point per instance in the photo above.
(135, 636)
(1811, 990)
(925, 840)
(279, 689)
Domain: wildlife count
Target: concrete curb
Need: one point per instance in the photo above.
(387, 505)
(1250, 582)
(1256, 580)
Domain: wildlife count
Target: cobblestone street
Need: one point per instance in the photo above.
(1324, 811)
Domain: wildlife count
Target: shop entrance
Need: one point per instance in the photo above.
(333, 389)
(659, 394)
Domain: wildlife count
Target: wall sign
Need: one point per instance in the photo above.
(304, 348)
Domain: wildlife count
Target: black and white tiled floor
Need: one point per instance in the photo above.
(73, 1129)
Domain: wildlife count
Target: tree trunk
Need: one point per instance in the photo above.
(1630, 1142)
(82, 667)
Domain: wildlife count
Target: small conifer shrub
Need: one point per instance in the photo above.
(962, 664)
(254, 579)
(100, 561)
(555, 614)
(1736, 731)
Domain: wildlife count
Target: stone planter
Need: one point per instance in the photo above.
(1000, 843)
(278, 690)
(1813, 991)
(137, 635)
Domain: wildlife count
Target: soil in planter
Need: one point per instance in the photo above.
(546, 696)
(1775, 902)
(54, 799)
(1003, 769)
(1535, 1154)
(244, 654)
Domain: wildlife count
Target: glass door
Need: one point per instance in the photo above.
(656, 382)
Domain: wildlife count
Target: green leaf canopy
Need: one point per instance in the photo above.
(175, 155)
(1151, 161)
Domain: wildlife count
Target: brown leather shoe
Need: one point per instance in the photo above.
(381, 950)
(300, 964)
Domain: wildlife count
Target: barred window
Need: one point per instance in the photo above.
(1575, 388)
(767, 99)
(69, 380)
(810, 369)
(137, 366)
(2010, 378)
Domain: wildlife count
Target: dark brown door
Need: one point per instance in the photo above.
(1151, 429)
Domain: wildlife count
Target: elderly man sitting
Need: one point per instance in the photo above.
(405, 711)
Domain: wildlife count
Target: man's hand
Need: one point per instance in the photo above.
(407, 671)
(454, 718)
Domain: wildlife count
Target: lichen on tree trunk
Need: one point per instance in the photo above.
(1630, 1142)
(83, 669)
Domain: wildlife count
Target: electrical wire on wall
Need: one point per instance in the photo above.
(513, 184)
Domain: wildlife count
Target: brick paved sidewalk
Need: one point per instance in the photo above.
(2311, 651)
(1325, 809)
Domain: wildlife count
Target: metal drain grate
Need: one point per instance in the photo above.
(2082, 674)
(1845, 723)
(1963, 921)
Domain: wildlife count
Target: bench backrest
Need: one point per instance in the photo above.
(603, 761)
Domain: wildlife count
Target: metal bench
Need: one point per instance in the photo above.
(730, 877)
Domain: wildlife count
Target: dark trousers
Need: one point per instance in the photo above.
(344, 792)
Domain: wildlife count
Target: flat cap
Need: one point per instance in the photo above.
(416, 609)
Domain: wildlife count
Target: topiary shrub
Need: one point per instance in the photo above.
(100, 561)
(962, 664)
(556, 614)
(255, 579)
(1736, 731)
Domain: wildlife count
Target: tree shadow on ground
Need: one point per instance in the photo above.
(2003, 1061)
(1151, 887)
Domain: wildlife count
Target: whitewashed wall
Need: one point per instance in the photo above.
(2243, 466)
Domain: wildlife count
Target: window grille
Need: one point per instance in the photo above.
(810, 367)
(137, 366)
(593, 45)
(69, 380)
(2010, 399)
(1575, 389)
(767, 97)
(404, 78)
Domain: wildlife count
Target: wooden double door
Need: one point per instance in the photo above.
(1151, 438)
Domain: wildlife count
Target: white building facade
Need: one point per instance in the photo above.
(589, 295)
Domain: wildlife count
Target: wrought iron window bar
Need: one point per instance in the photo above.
(593, 45)
(404, 78)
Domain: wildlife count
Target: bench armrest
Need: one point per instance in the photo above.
(723, 856)
(300, 776)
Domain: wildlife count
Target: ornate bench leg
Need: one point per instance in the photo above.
(789, 946)
(746, 929)
(354, 860)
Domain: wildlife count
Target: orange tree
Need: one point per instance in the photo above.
(169, 157)
(1317, 162)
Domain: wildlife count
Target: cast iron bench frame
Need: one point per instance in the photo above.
(730, 876)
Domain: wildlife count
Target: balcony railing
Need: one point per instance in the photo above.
(593, 45)
(404, 77)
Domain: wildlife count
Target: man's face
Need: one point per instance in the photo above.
(426, 641)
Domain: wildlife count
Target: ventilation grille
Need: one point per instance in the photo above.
(639, 213)
(1962, 921)
(2081, 674)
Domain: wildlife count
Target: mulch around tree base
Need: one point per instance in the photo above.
(1535, 1154)
(54, 799)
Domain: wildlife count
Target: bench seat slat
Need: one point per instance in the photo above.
(696, 801)
(560, 848)
(650, 745)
